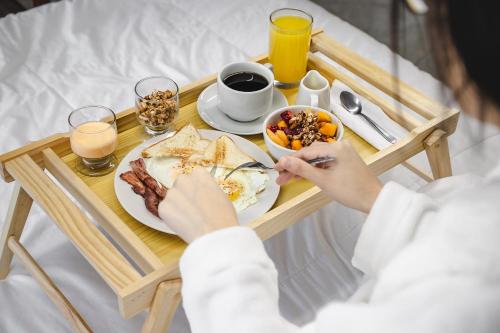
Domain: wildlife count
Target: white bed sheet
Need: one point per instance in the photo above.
(67, 54)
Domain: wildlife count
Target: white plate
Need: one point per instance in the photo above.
(134, 204)
(212, 115)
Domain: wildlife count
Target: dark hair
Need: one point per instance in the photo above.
(469, 31)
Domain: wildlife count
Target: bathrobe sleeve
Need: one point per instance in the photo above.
(231, 285)
(391, 225)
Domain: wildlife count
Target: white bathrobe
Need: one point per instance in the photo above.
(431, 263)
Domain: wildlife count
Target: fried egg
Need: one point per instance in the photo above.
(164, 169)
(241, 187)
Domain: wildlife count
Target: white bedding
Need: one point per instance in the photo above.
(67, 54)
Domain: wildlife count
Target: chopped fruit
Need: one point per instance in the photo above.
(295, 131)
(300, 128)
(273, 128)
(328, 129)
(296, 144)
(282, 124)
(286, 116)
(283, 137)
(324, 117)
(275, 138)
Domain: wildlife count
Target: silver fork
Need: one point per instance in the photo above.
(258, 165)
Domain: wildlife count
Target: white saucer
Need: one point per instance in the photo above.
(210, 113)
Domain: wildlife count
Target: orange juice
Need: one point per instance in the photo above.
(289, 40)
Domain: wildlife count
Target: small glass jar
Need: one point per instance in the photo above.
(93, 137)
(157, 104)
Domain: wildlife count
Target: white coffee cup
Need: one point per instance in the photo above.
(314, 90)
(245, 105)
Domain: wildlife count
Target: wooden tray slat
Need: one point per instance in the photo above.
(410, 146)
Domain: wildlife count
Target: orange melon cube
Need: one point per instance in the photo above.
(328, 129)
(282, 124)
(283, 137)
(275, 138)
(324, 117)
(296, 145)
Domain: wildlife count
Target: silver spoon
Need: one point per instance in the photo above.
(352, 104)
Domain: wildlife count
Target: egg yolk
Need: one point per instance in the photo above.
(231, 188)
(234, 195)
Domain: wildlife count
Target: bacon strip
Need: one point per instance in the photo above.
(152, 201)
(137, 186)
(139, 168)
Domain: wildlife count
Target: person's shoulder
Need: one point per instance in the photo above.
(481, 200)
(471, 220)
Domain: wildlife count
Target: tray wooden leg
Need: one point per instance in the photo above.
(165, 303)
(56, 296)
(438, 154)
(17, 215)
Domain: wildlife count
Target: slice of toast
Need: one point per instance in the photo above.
(184, 143)
(225, 153)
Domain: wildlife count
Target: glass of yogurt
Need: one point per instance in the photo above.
(93, 138)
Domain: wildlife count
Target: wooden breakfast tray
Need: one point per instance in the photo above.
(157, 284)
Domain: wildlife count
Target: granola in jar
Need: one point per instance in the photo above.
(156, 108)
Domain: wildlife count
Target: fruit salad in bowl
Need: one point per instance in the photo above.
(293, 127)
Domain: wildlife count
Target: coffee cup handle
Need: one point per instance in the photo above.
(314, 100)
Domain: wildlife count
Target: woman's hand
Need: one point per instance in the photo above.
(196, 206)
(347, 180)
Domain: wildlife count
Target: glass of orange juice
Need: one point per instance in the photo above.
(289, 39)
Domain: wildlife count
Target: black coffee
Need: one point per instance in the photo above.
(245, 81)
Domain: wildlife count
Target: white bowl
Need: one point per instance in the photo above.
(278, 151)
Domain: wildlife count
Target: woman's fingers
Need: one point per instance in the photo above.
(183, 183)
(316, 150)
(284, 177)
(175, 199)
(196, 205)
(202, 174)
(295, 165)
(347, 179)
(299, 167)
